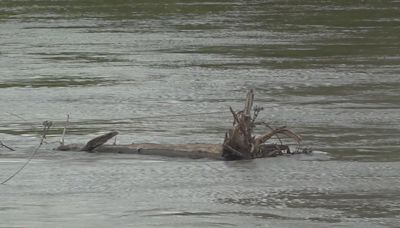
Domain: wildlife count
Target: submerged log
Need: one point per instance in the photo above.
(240, 141)
(193, 151)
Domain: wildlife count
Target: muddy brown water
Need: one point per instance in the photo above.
(327, 69)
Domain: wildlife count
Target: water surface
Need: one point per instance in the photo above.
(329, 70)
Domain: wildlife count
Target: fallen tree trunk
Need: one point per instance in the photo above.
(193, 151)
(240, 141)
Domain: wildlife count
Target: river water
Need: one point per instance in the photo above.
(167, 72)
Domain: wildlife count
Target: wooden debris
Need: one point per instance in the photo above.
(240, 141)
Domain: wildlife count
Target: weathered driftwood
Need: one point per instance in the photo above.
(193, 151)
(239, 143)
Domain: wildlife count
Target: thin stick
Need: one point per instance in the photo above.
(4, 145)
(64, 131)
(46, 127)
(18, 116)
(235, 117)
(115, 141)
(257, 111)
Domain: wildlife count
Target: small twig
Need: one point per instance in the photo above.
(64, 131)
(46, 127)
(4, 145)
(256, 110)
(115, 141)
(235, 117)
(18, 116)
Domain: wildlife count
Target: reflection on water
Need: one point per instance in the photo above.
(115, 190)
(329, 70)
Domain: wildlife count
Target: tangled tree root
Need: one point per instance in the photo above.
(240, 141)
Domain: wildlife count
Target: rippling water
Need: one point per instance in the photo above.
(328, 69)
